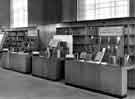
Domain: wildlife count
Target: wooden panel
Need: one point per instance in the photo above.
(44, 67)
(36, 66)
(5, 61)
(131, 78)
(69, 10)
(90, 75)
(55, 69)
(72, 72)
(106, 78)
(124, 81)
(20, 62)
(111, 80)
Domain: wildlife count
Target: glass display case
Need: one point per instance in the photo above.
(105, 55)
(21, 39)
(20, 42)
(118, 42)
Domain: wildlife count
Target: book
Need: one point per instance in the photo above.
(100, 55)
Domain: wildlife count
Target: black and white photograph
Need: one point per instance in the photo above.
(67, 49)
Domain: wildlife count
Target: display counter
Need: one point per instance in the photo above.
(20, 62)
(50, 68)
(106, 78)
(131, 79)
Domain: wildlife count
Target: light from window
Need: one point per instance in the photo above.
(19, 13)
(101, 9)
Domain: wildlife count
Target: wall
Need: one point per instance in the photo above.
(132, 8)
(52, 11)
(44, 11)
(4, 12)
(69, 10)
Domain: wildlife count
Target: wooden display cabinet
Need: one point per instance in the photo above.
(117, 40)
(20, 42)
(117, 65)
(49, 68)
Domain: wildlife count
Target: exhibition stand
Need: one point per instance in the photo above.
(51, 68)
(107, 78)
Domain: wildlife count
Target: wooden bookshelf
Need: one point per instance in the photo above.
(21, 40)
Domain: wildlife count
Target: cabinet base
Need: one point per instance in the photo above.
(20, 71)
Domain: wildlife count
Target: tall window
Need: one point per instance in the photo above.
(19, 13)
(102, 9)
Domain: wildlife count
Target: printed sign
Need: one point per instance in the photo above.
(32, 32)
(110, 31)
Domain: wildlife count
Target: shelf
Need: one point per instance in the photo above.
(76, 35)
(129, 45)
(130, 35)
(16, 39)
(82, 44)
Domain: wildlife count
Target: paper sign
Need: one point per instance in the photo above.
(100, 55)
(32, 33)
(110, 31)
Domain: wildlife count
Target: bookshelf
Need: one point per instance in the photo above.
(21, 39)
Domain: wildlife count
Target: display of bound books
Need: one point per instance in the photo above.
(19, 39)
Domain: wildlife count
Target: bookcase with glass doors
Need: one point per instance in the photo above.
(21, 39)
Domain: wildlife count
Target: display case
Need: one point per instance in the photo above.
(105, 55)
(49, 63)
(82, 37)
(4, 54)
(21, 39)
(20, 42)
(118, 42)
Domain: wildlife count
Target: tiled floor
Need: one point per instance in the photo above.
(15, 85)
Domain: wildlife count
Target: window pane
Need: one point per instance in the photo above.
(102, 9)
(121, 3)
(19, 16)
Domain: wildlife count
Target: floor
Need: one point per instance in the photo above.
(15, 85)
